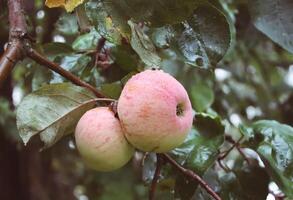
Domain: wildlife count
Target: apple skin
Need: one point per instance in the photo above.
(100, 140)
(147, 110)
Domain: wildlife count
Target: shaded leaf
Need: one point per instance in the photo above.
(112, 90)
(103, 23)
(274, 18)
(199, 151)
(67, 24)
(274, 143)
(143, 46)
(125, 57)
(204, 38)
(157, 12)
(52, 112)
(51, 50)
(86, 41)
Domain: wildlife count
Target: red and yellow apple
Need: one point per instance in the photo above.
(100, 140)
(155, 111)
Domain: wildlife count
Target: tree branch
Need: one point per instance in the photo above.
(156, 177)
(8, 60)
(191, 174)
(31, 53)
(18, 28)
(19, 46)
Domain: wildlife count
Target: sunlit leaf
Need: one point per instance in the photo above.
(69, 5)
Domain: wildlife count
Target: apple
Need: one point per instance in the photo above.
(155, 111)
(100, 140)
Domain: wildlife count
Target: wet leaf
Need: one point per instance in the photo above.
(103, 23)
(52, 112)
(157, 12)
(86, 41)
(199, 151)
(274, 18)
(204, 38)
(273, 141)
(143, 46)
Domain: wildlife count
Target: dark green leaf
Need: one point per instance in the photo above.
(7, 120)
(274, 143)
(157, 12)
(102, 22)
(204, 38)
(125, 57)
(143, 46)
(52, 112)
(199, 151)
(86, 41)
(274, 18)
(51, 50)
(112, 90)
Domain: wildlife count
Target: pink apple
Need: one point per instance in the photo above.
(155, 111)
(100, 140)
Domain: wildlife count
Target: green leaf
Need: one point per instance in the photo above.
(202, 96)
(112, 90)
(103, 23)
(143, 46)
(274, 143)
(52, 112)
(51, 50)
(7, 120)
(238, 184)
(125, 57)
(157, 12)
(199, 151)
(274, 19)
(204, 38)
(86, 41)
(67, 24)
(75, 62)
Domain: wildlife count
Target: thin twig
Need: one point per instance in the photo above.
(191, 174)
(156, 177)
(236, 145)
(31, 53)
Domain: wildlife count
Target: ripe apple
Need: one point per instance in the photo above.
(100, 140)
(155, 111)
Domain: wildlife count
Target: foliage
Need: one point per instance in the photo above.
(233, 57)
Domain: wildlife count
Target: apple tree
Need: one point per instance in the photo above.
(134, 99)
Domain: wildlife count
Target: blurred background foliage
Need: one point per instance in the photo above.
(235, 60)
